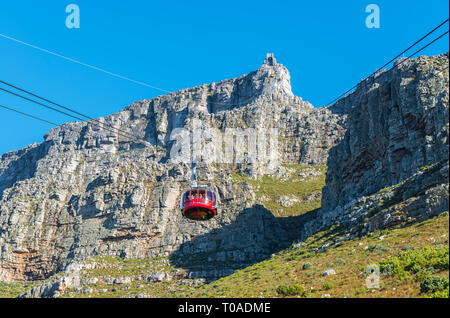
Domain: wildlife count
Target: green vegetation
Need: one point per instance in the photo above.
(109, 268)
(422, 264)
(277, 276)
(379, 247)
(9, 290)
(434, 284)
(269, 188)
(413, 262)
(307, 265)
(291, 290)
(327, 286)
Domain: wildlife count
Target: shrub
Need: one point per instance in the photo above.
(291, 290)
(434, 284)
(424, 274)
(379, 247)
(307, 265)
(416, 260)
(327, 286)
(441, 294)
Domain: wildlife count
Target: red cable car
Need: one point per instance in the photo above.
(199, 204)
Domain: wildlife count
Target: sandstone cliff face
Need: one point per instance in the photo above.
(394, 153)
(85, 191)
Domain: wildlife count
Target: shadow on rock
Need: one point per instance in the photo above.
(24, 166)
(253, 236)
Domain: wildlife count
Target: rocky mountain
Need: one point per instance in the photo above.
(392, 163)
(86, 191)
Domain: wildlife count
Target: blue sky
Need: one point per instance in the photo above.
(177, 44)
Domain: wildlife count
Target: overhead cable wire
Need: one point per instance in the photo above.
(29, 115)
(44, 120)
(103, 125)
(130, 137)
(84, 64)
(109, 72)
(406, 59)
(391, 60)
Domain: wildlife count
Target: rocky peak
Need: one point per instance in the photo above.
(270, 81)
(275, 78)
(86, 191)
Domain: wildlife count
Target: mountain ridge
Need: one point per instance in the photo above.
(85, 192)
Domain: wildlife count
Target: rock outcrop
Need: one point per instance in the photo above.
(87, 191)
(394, 153)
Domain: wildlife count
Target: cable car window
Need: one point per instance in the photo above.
(209, 195)
(186, 196)
(201, 194)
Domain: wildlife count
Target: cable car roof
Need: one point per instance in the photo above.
(200, 187)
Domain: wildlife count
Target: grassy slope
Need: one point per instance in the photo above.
(9, 290)
(284, 272)
(269, 188)
(349, 260)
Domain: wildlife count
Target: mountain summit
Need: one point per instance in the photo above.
(87, 191)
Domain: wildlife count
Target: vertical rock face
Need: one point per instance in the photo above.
(86, 191)
(397, 125)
